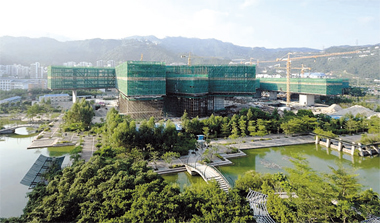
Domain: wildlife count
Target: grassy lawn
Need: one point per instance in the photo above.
(59, 151)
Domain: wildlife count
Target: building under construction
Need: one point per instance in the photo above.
(201, 89)
(154, 89)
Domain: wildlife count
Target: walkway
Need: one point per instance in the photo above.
(55, 138)
(205, 171)
(88, 147)
(12, 129)
(268, 141)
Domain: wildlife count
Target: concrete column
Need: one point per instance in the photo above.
(306, 100)
(75, 94)
(377, 149)
(258, 93)
(340, 145)
(360, 151)
(317, 139)
(272, 95)
(353, 148)
(328, 142)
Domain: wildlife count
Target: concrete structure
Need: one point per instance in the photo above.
(55, 98)
(347, 146)
(306, 99)
(272, 95)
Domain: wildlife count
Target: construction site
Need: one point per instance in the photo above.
(154, 89)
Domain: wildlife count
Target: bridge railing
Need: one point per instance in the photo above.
(225, 179)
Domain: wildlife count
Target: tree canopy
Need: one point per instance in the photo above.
(122, 190)
(79, 116)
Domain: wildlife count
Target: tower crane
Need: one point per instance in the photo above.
(302, 68)
(288, 68)
(258, 61)
(190, 57)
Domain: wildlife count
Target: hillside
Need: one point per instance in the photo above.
(47, 51)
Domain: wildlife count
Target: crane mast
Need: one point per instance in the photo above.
(288, 64)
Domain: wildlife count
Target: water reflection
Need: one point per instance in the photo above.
(184, 179)
(15, 161)
(276, 159)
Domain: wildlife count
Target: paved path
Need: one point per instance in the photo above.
(54, 136)
(272, 140)
(276, 142)
(88, 147)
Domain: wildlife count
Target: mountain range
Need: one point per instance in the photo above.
(48, 51)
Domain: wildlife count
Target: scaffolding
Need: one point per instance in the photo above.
(187, 80)
(194, 106)
(236, 80)
(141, 79)
(73, 78)
(305, 85)
(141, 108)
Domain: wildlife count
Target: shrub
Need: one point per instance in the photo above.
(220, 157)
(233, 150)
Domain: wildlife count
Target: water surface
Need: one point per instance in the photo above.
(15, 161)
(276, 159)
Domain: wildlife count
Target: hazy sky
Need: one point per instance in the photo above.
(263, 23)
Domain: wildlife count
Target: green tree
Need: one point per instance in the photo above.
(294, 125)
(80, 112)
(352, 125)
(243, 126)
(35, 110)
(305, 112)
(261, 129)
(252, 128)
(206, 132)
(249, 115)
(345, 188)
(323, 134)
(154, 155)
(168, 157)
(314, 194)
(225, 128)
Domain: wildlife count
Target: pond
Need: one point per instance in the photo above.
(275, 159)
(15, 161)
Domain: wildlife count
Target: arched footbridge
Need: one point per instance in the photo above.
(207, 172)
(12, 129)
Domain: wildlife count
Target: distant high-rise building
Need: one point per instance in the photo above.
(35, 70)
(111, 63)
(84, 64)
(69, 64)
(100, 63)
